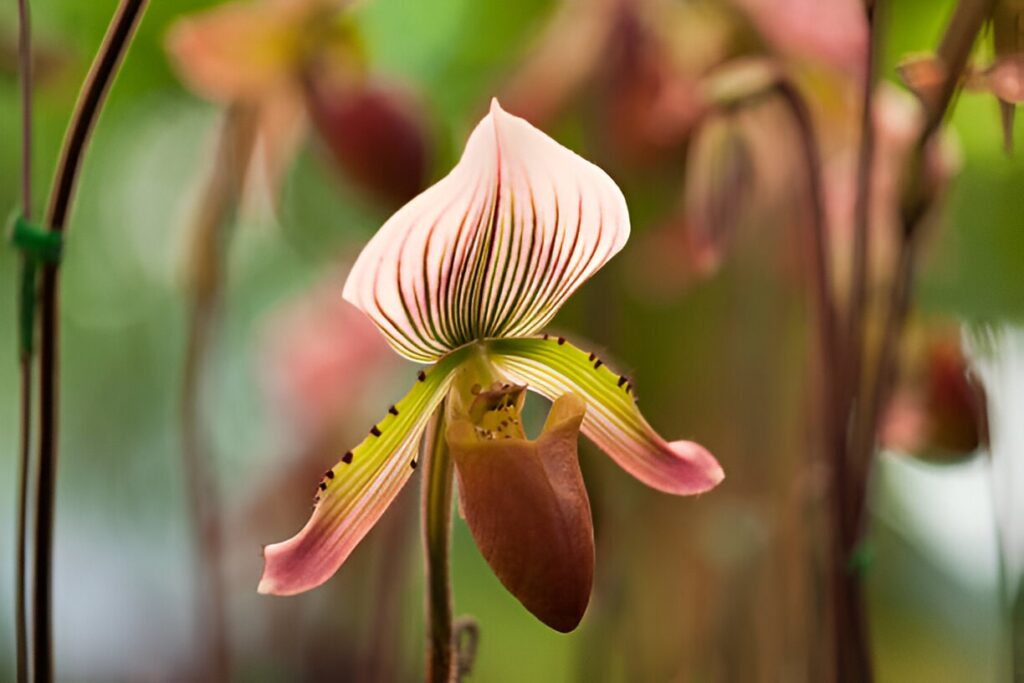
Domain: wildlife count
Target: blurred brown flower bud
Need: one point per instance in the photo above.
(375, 133)
(923, 74)
(649, 104)
(938, 413)
(719, 189)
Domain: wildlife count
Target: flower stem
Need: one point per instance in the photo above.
(954, 49)
(20, 615)
(437, 526)
(862, 206)
(852, 656)
(25, 361)
(87, 109)
(211, 234)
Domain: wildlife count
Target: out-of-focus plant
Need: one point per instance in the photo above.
(462, 277)
(857, 294)
(298, 62)
(1003, 76)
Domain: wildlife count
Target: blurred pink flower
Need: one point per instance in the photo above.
(829, 31)
(318, 351)
(634, 63)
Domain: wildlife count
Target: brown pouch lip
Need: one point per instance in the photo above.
(528, 510)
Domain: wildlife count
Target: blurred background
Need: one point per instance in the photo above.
(707, 307)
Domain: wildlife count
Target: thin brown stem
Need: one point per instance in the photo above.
(90, 102)
(850, 641)
(954, 50)
(824, 298)
(852, 656)
(25, 360)
(20, 611)
(859, 271)
(437, 527)
(211, 234)
(886, 369)
(25, 69)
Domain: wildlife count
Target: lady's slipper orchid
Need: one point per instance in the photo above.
(462, 277)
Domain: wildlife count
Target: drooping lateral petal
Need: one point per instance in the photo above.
(527, 508)
(494, 248)
(355, 492)
(553, 367)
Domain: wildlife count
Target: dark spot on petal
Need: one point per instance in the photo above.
(592, 357)
(545, 336)
(598, 364)
(329, 474)
(323, 486)
(375, 431)
(393, 410)
(413, 463)
(622, 380)
(421, 376)
(347, 458)
(561, 340)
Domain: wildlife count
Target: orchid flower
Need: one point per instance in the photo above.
(463, 278)
(302, 62)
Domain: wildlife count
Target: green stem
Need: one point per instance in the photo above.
(437, 526)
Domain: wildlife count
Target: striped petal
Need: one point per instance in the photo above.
(354, 493)
(553, 367)
(494, 248)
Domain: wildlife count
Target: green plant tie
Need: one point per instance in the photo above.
(37, 246)
(861, 559)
